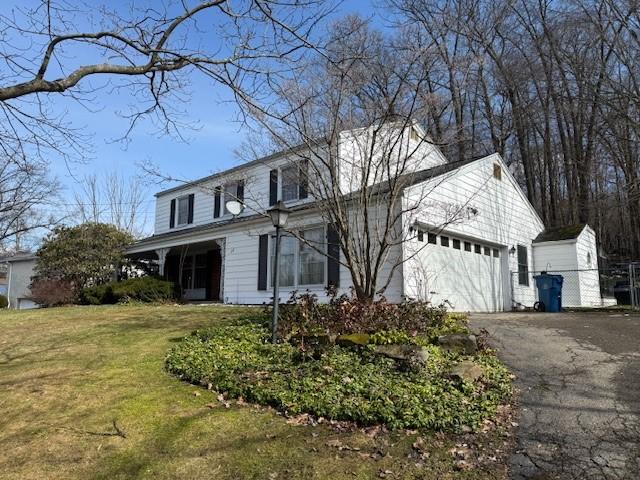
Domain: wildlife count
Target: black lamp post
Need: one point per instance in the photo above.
(279, 214)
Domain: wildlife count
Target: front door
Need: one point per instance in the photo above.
(214, 262)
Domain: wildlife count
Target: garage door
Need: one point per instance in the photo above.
(465, 273)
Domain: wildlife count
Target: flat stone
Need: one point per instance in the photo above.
(353, 340)
(409, 357)
(467, 371)
(459, 342)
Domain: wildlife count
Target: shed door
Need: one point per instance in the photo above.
(470, 277)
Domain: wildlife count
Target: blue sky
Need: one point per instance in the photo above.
(208, 149)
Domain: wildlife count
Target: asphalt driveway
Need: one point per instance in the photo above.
(579, 381)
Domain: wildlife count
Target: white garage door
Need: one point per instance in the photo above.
(465, 273)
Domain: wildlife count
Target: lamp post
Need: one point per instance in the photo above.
(279, 214)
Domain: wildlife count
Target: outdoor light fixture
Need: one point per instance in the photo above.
(512, 250)
(279, 214)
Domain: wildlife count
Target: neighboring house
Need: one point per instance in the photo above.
(467, 262)
(19, 273)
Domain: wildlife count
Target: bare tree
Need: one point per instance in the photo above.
(148, 50)
(26, 191)
(113, 199)
(350, 121)
(553, 87)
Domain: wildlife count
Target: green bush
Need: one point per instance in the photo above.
(4, 303)
(142, 289)
(341, 384)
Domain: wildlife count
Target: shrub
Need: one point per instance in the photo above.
(346, 314)
(51, 292)
(4, 303)
(142, 289)
(341, 384)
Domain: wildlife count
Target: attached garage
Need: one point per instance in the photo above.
(466, 273)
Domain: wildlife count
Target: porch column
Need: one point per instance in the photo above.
(162, 256)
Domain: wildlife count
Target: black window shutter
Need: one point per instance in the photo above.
(333, 257)
(273, 187)
(263, 253)
(303, 185)
(216, 202)
(190, 215)
(172, 214)
(240, 191)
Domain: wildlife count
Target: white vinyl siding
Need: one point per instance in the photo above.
(502, 219)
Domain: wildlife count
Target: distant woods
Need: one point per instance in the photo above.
(554, 87)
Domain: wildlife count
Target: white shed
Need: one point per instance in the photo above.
(571, 252)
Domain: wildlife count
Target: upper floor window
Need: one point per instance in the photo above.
(233, 191)
(183, 210)
(290, 182)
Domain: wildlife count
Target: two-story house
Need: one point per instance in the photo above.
(478, 263)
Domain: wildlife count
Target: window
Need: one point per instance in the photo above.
(183, 210)
(230, 193)
(477, 249)
(287, 260)
(496, 253)
(300, 263)
(431, 238)
(310, 261)
(589, 259)
(290, 182)
(456, 244)
(420, 236)
(523, 266)
(487, 251)
(467, 246)
(444, 241)
(497, 171)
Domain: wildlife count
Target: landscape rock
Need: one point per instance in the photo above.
(409, 357)
(353, 340)
(467, 371)
(459, 342)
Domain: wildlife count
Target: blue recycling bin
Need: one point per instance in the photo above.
(549, 292)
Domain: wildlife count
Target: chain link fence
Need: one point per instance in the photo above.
(612, 287)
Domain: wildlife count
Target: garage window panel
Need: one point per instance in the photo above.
(487, 251)
(444, 241)
(456, 244)
(420, 236)
(467, 246)
(431, 238)
(477, 248)
(496, 253)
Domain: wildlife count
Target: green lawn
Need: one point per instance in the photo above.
(67, 374)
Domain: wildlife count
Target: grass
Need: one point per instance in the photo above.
(67, 374)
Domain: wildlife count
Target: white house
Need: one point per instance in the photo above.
(467, 262)
(19, 273)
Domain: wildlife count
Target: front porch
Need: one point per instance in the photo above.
(195, 267)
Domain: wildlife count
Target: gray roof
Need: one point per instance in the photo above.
(568, 232)
(411, 179)
(18, 257)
